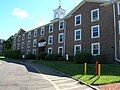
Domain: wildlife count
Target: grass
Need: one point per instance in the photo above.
(110, 73)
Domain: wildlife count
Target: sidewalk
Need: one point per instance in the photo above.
(60, 80)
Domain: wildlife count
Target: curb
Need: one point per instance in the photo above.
(81, 82)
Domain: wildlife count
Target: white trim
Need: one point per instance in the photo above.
(98, 26)
(80, 19)
(28, 51)
(51, 50)
(92, 15)
(50, 28)
(59, 37)
(49, 40)
(98, 48)
(35, 42)
(63, 25)
(75, 35)
(22, 45)
(18, 46)
(35, 33)
(19, 37)
(118, 7)
(119, 26)
(28, 46)
(59, 48)
(23, 37)
(75, 48)
(42, 29)
(29, 34)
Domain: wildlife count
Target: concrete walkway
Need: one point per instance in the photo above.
(59, 80)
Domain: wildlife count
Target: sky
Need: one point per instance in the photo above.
(28, 14)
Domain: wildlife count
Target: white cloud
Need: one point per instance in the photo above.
(20, 13)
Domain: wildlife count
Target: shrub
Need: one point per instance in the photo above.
(83, 57)
(14, 54)
(54, 57)
(30, 56)
(42, 55)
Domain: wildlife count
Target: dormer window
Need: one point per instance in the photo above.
(61, 25)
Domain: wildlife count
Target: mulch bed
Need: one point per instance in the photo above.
(115, 86)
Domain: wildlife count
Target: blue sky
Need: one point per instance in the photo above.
(28, 14)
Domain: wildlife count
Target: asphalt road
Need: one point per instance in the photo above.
(22, 77)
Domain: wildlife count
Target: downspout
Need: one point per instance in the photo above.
(115, 32)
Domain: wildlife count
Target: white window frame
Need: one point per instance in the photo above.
(75, 48)
(28, 51)
(49, 39)
(51, 50)
(75, 35)
(98, 48)
(63, 25)
(35, 42)
(18, 46)
(92, 14)
(33, 51)
(22, 45)
(28, 44)
(119, 26)
(59, 48)
(42, 29)
(29, 34)
(35, 33)
(19, 37)
(50, 28)
(98, 26)
(59, 37)
(80, 20)
(118, 6)
(23, 37)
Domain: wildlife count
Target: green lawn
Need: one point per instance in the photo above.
(110, 73)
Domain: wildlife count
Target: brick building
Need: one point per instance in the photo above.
(92, 26)
(1, 46)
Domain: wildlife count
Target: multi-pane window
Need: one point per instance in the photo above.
(60, 50)
(96, 48)
(49, 50)
(77, 49)
(22, 45)
(50, 28)
(35, 33)
(34, 42)
(34, 51)
(14, 39)
(23, 37)
(42, 31)
(118, 5)
(18, 46)
(95, 31)
(77, 35)
(29, 34)
(61, 25)
(95, 15)
(78, 20)
(61, 38)
(19, 38)
(28, 44)
(50, 39)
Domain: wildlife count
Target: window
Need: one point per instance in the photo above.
(28, 51)
(50, 39)
(29, 35)
(96, 48)
(23, 37)
(34, 42)
(22, 45)
(119, 26)
(78, 20)
(14, 39)
(61, 38)
(34, 51)
(77, 35)
(118, 5)
(77, 49)
(61, 25)
(35, 33)
(50, 28)
(14, 46)
(18, 46)
(42, 31)
(19, 38)
(95, 15)
(28, 44)
(60, 50)
(49, 50)
(95, 31)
